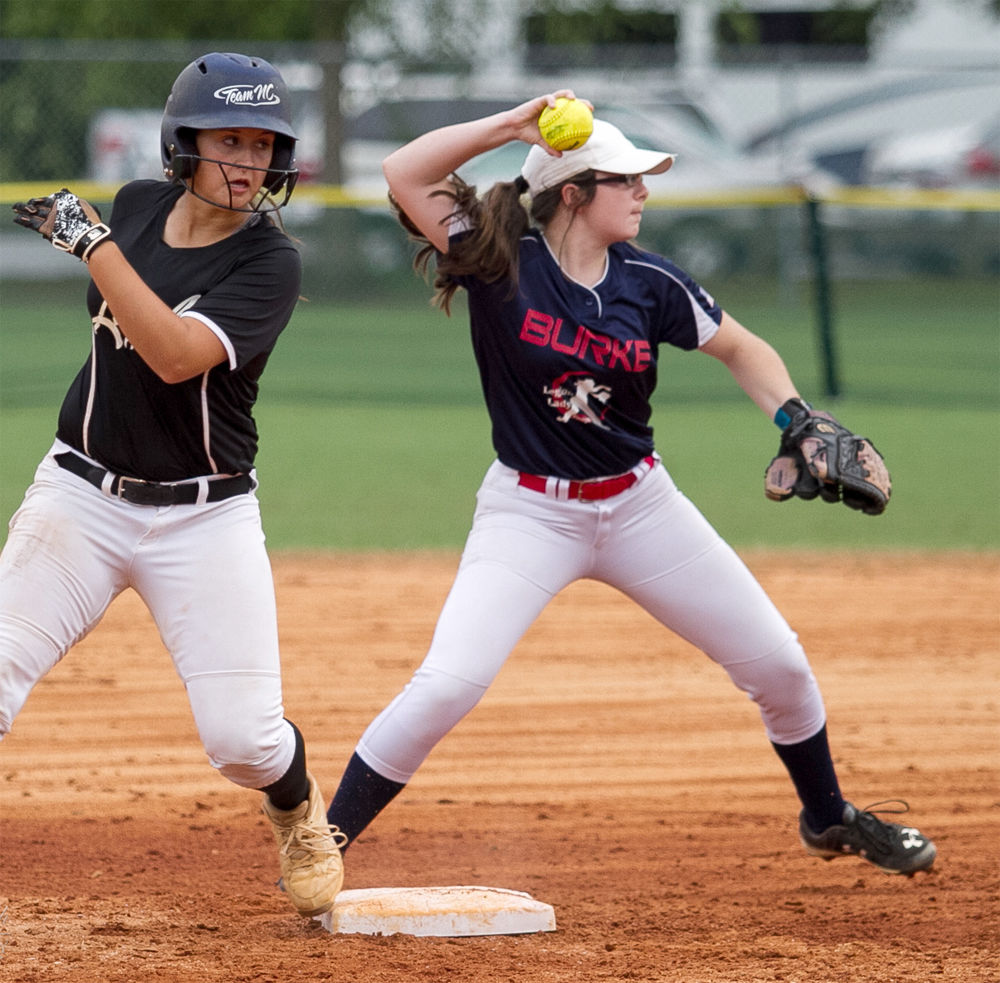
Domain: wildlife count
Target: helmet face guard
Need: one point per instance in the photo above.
(229, 91)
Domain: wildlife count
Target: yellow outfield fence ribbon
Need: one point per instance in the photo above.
(12, 192)
(917, 199)
(335, 196)
(328, 195)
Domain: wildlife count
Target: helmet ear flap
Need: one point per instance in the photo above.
(282, 159)
(179, 153)
(288, 182)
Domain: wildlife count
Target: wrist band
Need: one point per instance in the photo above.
(90, 240)
(788, 409)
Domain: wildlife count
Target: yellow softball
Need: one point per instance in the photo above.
(567, 125)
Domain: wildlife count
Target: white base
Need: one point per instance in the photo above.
(437, 911)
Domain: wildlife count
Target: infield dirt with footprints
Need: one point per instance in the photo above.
(612, 772)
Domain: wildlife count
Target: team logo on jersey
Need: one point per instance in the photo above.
(578, 397)
(260, 94)
(105, 319)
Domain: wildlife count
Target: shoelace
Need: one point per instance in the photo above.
(875, 829)
(313, 840)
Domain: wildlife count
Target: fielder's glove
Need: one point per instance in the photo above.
(69, 223)
(820, 457)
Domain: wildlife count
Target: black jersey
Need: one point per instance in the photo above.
(118, 411)
(567, 370)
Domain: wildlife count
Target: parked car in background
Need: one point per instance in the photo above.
(124, 144)
(964, 155)
(692, 218)
(928, 131)
(370, 136)
(839, 135)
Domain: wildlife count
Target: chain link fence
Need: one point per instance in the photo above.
(87, 115)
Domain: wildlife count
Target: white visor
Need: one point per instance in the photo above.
(607, 149)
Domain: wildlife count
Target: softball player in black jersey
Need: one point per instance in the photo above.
(150, 483)
(567, 318)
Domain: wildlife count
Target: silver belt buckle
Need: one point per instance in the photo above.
(122, 479)
(151, 493)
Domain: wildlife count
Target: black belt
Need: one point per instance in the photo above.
(140, 492)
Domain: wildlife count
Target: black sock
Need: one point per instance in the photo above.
(361, 796)
(292, 788)
(811, 767)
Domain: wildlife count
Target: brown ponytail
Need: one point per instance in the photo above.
(497, 221)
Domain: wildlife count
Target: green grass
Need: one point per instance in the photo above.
(373, 435)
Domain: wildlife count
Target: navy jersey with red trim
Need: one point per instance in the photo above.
(568, 371)
(118, 411)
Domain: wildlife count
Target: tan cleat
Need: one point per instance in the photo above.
(312, 870)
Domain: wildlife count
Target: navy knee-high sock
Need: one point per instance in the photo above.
(293, 787)
(360, 797)
(811, 767)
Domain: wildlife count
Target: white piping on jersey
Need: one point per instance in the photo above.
(206, 430)
(89, 411)
(706, 326)
(218, 332)
(590, 290)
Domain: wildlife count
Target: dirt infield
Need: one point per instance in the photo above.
(612, 772)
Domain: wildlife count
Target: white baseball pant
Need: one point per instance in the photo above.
(202, 571)
(651, 543)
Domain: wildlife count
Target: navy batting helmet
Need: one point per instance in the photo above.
(221, 91)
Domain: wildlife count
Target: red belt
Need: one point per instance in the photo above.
(585, 491)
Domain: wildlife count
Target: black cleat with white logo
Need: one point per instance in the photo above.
(891, 847)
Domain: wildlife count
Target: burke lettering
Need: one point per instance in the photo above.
(547, 331)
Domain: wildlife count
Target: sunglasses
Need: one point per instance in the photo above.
(627, 180)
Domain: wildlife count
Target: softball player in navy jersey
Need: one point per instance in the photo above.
(150, 483)
(567, 318)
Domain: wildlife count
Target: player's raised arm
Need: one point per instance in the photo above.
(422, 167)
(175, 348)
